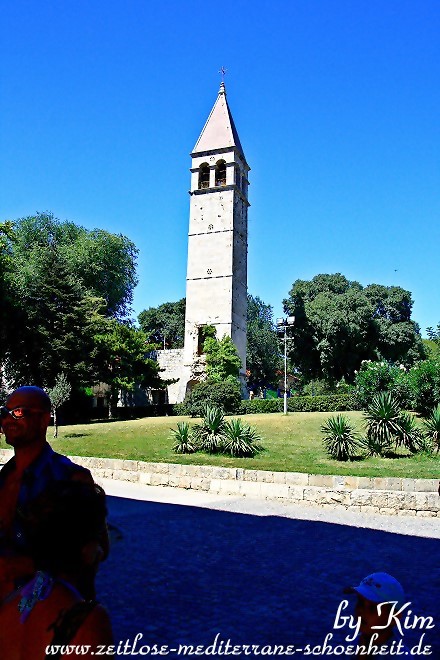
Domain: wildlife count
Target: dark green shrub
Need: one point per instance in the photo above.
(226, 395)
(240, 439)
(182, 439)
(424, 380)
(340, 438)
(375, 377)
(178, 409)
(325, 403)
(261, 406)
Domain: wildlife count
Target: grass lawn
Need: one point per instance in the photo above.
(292, 443)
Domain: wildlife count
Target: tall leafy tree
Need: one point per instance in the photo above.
(49, 329)
(122, 359)
(165, 325)
(7, 307)
(263, 352)
(338, 323)
(104, 263)
(396, 335)
(66, 283)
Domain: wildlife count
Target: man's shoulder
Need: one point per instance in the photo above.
(62, 467)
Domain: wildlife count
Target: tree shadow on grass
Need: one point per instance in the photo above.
(182, 574)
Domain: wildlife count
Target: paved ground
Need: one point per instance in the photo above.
(191, 565)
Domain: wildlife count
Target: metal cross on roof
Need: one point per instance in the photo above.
(222, 72)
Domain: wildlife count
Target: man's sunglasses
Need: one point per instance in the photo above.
(18, 413)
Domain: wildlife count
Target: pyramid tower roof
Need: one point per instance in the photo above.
(219, 131)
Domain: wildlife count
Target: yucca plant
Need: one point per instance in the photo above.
(182, 439)
(240, 439)
(340, 438)
(432, 428)
(374, 447)
(208, 435)
(409, 434)
(383, 417)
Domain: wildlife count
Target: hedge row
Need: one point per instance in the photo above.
(322, 403)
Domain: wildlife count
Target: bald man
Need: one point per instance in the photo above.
(24, 421)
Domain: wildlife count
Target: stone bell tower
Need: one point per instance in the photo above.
(216, 283)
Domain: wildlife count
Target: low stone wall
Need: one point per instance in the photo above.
(380, 495)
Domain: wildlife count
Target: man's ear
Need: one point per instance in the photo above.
(91, 553)
(45, 420)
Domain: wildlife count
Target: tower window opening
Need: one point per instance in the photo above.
(204, 331)
(220, 173)
(204, 176)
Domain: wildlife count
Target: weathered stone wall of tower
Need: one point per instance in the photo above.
(239, 267)
(217, 258)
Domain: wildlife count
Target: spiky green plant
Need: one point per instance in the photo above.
(340, 439)
(374, 447)
(409, 434)
(208, 435)
(182, 439)
(432, 428)
(240, 439)
(383, 420)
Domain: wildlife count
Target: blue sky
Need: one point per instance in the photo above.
(336, 102)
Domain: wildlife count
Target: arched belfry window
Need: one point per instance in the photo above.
(204, 176)
(220, 173)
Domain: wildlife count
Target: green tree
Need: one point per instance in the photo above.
(66, 282)
(263, 352)
(396, 337)
(222, 359)
(339, 323)
(58, 395)
(103, 263)
(7, 307)
(165, 325)
(51, 329)
(122, 359)
(434, 335)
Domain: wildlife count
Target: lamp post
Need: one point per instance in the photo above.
(282, 325)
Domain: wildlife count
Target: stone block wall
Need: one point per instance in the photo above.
(377, 495)
(171, 361)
